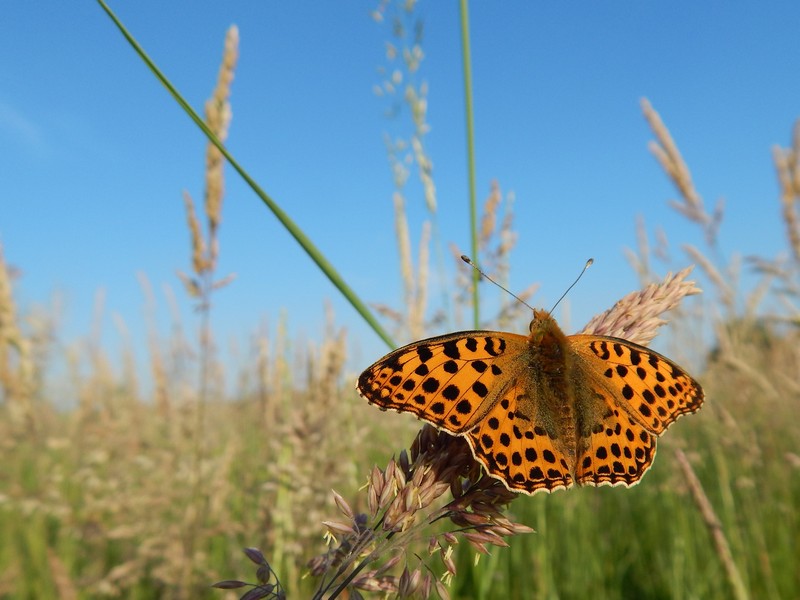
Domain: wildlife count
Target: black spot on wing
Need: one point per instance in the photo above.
(430, 385)
(424, 353)
(450, 349)
(479, 365)
(451, 392)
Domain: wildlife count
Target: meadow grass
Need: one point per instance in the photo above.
(133, 495)
(98, 500)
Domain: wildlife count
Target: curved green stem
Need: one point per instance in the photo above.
(313, 252)
(473, 214)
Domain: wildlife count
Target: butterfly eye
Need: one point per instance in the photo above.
(530, 327)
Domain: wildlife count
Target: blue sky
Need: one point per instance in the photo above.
(95, 154)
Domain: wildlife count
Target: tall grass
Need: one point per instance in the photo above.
(139, 496)
(97, 500)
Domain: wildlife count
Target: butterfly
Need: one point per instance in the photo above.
(544, 411)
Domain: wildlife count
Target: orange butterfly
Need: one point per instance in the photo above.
(540, 412)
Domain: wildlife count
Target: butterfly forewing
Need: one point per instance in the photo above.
(448, 381)
(653, 389)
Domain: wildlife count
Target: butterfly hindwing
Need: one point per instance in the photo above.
(612, 447)
(515, 449)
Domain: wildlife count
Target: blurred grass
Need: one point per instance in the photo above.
(94, 501)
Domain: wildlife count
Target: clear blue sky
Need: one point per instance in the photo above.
(95, 154)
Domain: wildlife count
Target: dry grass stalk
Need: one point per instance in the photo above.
(205, 248)
(158, 371)
(668, 155)
(496, 240)
(508, 237)
(205, 252)
(636, 316)
(96, 393)
(726, 277)
(640, 259)
(403, 61)
(65, 587)
(661, 250)
(128, 406)
(691, 207)
(417, 309)
(218, 118)
(755, 375)
(512, 311)
(725, 289)
(200, 263)
(312, 429)
(497, 237)
(418, 103)
(462, 285)
(714, 525)
(128, 377)
(666, 152)
(490, 210)
(261, 348)
(403, 237)
(411, 323)
(754, 354)
(787, 163)
(759, 292)
(17, 369)
(402, 501)
(415, 289)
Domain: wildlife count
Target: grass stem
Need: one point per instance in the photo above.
(473, 213)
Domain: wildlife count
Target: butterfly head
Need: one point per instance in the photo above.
(542, 325)
(539, 315)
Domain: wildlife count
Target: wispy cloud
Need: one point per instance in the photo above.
(20, 129)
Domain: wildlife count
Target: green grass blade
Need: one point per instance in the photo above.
(473, 213)
(313, 252)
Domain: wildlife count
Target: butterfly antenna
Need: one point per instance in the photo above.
(468, 260)
(586, 266)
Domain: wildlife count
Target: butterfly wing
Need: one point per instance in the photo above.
(652, 389)
(612, 447)
(626, 395)
(475, 384)
(450, 381)
(514, 446)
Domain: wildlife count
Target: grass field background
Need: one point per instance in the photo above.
(151, 489)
